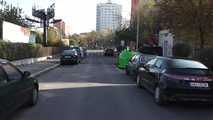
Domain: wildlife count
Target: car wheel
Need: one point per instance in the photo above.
(34, 97)
(159, 96)
(127, 71)
(139, 81)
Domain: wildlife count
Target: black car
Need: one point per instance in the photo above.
(109, 52)
(173, 79)
(78, 49)
(17, 88)
(136, 62)
(69, 57)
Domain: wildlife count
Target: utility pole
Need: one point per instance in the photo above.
(138, 29)
(44, 16)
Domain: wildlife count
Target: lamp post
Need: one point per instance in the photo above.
(138, 29)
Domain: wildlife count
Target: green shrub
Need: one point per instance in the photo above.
(17, 51)
(182, 50)
(206, 57)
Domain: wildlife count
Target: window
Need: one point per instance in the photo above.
(159, 63)
(180, 63)
(151, 62)
(12, 73)
(133, 59)
(137, 58)
(3, 77)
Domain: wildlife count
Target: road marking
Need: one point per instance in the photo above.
(65, 85)
(44, 70)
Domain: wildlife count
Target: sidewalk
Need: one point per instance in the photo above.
(39, 68)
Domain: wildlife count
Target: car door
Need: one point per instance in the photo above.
(6, 95)
(155, 72)
(18, 87)
(130, 65)
(147, 73)
(135, 65)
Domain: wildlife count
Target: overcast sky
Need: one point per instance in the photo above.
(80, 15)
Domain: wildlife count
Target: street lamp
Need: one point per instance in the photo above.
(138, 29)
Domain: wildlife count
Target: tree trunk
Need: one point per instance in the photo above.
(202, 38)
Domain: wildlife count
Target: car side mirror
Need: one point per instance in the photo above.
(26, 74)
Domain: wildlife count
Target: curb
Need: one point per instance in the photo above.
(45, 70)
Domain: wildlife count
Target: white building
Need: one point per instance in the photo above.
(166, 41)
(109, 16)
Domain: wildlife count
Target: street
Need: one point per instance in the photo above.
(97, 90)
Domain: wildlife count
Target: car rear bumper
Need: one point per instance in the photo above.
(189, 94)
(70, 60)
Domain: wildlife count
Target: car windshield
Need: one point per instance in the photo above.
(188, 67)
(69, 52)
(186, 64)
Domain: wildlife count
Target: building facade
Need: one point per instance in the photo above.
(134, 8)
(109, 16)
(61, 28)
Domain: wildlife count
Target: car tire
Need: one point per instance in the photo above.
(138, 81)
(34, 97)
(159, 97)
(127, 71)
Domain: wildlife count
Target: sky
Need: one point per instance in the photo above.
(80, 15)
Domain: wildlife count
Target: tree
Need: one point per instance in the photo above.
(188, 17)
(11, 14)
(149, 21)
(53, 37)
(126, 34)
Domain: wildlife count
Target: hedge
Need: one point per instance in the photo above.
(182, 50)
(17, 51)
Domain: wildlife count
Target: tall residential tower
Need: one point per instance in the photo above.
(109, 16)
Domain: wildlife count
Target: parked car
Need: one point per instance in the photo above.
(17, 88)
(81, 51)
(109, 52)
(173, 79)
(69, 57)
(77, 49)
(137, 61)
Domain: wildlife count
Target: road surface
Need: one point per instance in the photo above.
(97, 90)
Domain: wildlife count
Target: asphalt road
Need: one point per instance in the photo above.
(97, 90)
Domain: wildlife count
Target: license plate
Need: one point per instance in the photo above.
(199, 85)
(67, 56)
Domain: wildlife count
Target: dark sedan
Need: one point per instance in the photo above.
(176, 79)
(136, 62)
(16, 89)
(69, 57)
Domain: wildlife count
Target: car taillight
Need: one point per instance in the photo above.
(188, 78)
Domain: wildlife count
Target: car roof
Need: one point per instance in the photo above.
(176, 58)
